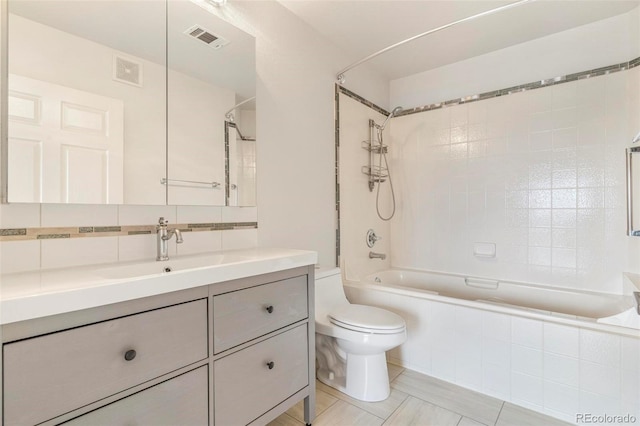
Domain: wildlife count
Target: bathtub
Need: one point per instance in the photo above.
(558, 351)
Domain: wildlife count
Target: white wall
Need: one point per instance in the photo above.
(602, 43)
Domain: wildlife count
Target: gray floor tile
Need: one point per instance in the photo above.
(382, 409)
(514, 415)
(415, 412)
(285, 420)
(394, 371)
(474, 405)
(344, 414)
(466, 421)
(323, 401)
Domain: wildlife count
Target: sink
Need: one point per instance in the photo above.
(177, 264)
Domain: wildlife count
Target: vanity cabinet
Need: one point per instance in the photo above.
(232, 353)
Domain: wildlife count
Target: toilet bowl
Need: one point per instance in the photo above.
(351, 340)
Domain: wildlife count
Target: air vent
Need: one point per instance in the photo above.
(206, 36)
(126, 70)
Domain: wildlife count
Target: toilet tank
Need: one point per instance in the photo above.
(328, 291)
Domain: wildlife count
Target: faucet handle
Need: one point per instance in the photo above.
(162, 221)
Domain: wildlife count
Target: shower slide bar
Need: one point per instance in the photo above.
(341, 78)
(165, 181)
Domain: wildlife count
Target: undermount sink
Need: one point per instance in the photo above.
(146, 268)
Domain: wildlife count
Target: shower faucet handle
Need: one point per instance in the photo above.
(372, 238)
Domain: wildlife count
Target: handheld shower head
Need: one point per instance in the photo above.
(397, 110)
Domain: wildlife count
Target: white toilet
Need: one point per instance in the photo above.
(351, 340)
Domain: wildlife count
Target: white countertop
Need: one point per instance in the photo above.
(42, 293)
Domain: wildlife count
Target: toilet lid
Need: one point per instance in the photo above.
(367, 319)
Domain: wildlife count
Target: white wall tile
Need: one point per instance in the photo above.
(630, 354)
(54, 215)
(199, 242)
(496, 381)
(600, 379)
(602, 348)
(141, 247)
(527, 388)
(598, 403)
(19, 215)
(145, 215)
(198, 214)
(561, 339)
(239, 239)
(496, 326)
(526, 332)
(239, 214)
(526, 360)
(19, 256)
(65, 252)
(561, 398)
(561, 369)
(496, 351)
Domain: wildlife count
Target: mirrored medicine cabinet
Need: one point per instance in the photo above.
(128, 102)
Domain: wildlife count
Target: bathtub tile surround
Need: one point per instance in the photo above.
(560, 370)
(34, 236)
(539, 173)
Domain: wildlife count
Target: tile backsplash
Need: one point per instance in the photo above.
(34, 236)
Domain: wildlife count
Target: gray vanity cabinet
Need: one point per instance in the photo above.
(152, 361)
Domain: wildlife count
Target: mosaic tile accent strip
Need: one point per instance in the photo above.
(23, 234)
(492, 94)
(524, 87)
(360, 99)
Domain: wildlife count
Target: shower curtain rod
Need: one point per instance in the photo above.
(228, 114)
(341, 79)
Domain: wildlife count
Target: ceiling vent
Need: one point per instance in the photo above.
(126, 70)
(206, 36)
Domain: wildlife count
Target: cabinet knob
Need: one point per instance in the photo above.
(129, 355)
(271, 364)
(270, 308)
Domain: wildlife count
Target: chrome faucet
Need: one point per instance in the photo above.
(164, 235)
(380, 256)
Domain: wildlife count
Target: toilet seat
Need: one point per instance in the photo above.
(367, 319)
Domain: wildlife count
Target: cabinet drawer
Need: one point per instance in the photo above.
(243, 315)
(50, 375)
(183, 400)
(245, 386)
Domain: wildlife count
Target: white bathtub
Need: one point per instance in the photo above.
(511, 297)
(558, 351)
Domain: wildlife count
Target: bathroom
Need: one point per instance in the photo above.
(295, 206)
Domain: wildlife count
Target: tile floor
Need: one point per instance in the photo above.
(417, 400)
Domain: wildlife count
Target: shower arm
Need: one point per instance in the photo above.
(341, 78)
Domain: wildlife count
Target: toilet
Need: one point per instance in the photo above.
(351, 340)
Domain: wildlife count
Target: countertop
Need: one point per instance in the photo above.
(36, 294)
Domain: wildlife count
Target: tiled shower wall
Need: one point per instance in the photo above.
(539, 174)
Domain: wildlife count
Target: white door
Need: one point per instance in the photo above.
(65, 145)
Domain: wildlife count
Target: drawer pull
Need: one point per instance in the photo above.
(271, 364)
(270, 308)
(129, 355)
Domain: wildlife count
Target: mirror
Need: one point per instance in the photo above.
(633, 191)
(211, 70)
(120, 102)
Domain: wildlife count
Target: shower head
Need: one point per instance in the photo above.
(397, 110)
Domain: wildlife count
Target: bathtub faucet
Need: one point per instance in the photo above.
(380, 256)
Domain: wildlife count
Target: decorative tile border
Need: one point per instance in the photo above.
(495, 93)
(24, 234)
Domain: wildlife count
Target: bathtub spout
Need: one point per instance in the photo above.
(380, 256)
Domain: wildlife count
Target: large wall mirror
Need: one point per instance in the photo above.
(125, 102)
